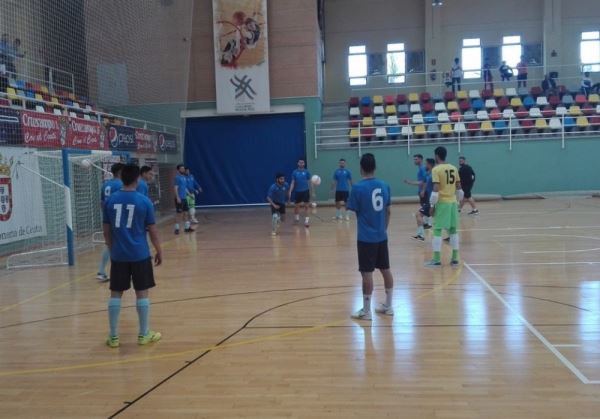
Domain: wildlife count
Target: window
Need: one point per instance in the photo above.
(396, 63)
(590, 51)
(357, 65)
(511, 50)
(471, 58)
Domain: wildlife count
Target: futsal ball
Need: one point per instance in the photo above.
(86, 163)
(316, 180)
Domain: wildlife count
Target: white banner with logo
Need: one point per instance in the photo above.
(241, 56)
(21, 204)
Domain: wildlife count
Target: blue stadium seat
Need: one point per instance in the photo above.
(393, 132)
(528, 102)
(366, 101)
(500, 126)
(478, 104)
(430, 118)
(569, 123)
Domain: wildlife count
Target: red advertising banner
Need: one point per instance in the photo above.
(84, 134)
(43, 129)
(146, 141)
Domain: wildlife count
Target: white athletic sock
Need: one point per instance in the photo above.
(297, 217)
(436, 244)
(306, 220)
(274, 221)
(193, 213)
(367, 302)
(388, 296)
(177, 226)
(454, 241)
(187, 225)
(420, 231)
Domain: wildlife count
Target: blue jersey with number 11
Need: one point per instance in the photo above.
(369, 199)
(128, 213)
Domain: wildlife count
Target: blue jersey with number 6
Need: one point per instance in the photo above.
(369, 199)
(128, 213)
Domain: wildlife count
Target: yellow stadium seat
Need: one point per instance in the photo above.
(462, 94)
(575, 110)
(55, 100)
(541, 124)
(367, 121)
(354, 134)
(39, 97)
(413, 97)
(378, 100)
(12, 93)
(452, 106)
(486, 127)
(44, 90)
(420, 130)
(446, 129)
(582, 122)
(498, 92)
(516, 102)
(390, 110)
(594, 98)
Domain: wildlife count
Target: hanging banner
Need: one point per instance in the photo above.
(167, 143)
(84, 134)
(121, 138)
(241, 56)
(146, 141)
(44, 129)
(21, 209)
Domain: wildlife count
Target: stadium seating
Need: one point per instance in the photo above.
(594, 99)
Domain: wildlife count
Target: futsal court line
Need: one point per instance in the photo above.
(211, 348)
(535, 263)
(530, 228)
(531, 328)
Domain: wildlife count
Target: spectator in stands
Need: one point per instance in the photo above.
(4, 48)
(586, 84)
(488, 80)
(522, 72)
(548, 85)
(506, 72)
(447, 80)
(457, 74)
(14, 52)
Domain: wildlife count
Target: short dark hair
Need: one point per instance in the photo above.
(462, 158)
(130, 173)
(278, 175)
(367, 163)
(418, 156)
(179, 166)
(342, 159)
(302, 159)
(441, 152)
(145, 169)
(431, 162)
(116, 168)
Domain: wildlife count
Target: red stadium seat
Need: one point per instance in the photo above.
(404, 119)
(487, 94)
(464, 105)
(448, 96)
(455, 116)
(527, 124)
(554, 101)
(595, 123)
(473, 128)
(4, 102)
(401, 99)
(503, 103)
(425, 97)
(390, 100)
(367, 133)
(562, 89)
(427, 107)
(365, 111)
(588, 109)
(522, 112)
(536, 91)
(353, 102)
(354, 122)
(495, 114)
(548, 111)
(580, 99)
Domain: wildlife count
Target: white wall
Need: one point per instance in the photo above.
(441, 30)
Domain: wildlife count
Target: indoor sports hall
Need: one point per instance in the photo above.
(274, 138)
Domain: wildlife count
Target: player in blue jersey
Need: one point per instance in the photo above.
(421, 183)
(342, 182)
(146, 176)
(127, 216)
(370, 199)
(424, 212)
(109, 187)
(181, 203)
(302, 185)
(277, 197)
(194, 188)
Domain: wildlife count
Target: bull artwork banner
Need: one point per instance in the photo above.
(21, 209)
(241, 56)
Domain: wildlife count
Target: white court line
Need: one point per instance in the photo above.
(531, 328)
(568, 345)
(530, 228)
(550, 235)
(541, 252)
(535, 263)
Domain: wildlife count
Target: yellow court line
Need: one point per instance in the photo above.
(261, 339)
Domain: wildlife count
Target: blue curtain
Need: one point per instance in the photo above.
(235, 158)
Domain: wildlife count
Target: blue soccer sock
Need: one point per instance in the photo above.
(143, 309)
(114, 310)
(104, 261)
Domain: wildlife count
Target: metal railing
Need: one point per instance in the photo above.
(335, 135)
(39, 73)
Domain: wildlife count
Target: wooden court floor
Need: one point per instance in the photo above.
(259, 327)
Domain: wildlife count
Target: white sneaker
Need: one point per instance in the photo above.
(335, 217)
(194, 221)
(102, 277)
(273, 233)
(383, 309)
(361, 314)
